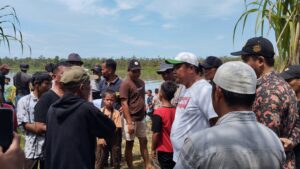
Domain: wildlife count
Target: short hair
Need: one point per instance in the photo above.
(268, 60)
(110, 63)
(168, 89)
(40, 77)
(150, 91)
(7, 78)
(56, 66)
(49, 67)
(156, 90)
(235, 99)
(110, 92)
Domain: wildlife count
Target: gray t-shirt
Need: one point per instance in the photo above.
(237, 141)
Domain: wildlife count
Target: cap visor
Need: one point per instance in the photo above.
(135, 68)
(286, 76)
(207, 66)
(173, 61)
(239, 53)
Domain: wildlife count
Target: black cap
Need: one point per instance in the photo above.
(96, 68)
(292, 72)
(24, 66)
(134, 65)
(73, 58)
(212, 62)
(257, 46)
(164, 67)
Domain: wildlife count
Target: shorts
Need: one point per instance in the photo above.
(140, 129)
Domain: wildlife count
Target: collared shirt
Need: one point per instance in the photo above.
(276, 107)
(33, 142)
(114, 86)
(237, 141)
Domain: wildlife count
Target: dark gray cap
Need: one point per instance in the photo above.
(164, 67)
(24, 66)
(292, 72)
(74, 57)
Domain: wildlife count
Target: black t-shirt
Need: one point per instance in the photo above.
(156, 123)
(2, 82)
(43, 105)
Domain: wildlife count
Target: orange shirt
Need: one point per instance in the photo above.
(115, 116)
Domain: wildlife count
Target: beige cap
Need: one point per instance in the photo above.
(236, 77)
(75, 75)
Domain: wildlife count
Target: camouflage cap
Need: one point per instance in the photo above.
(75, 75)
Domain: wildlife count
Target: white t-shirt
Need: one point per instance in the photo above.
(193, 111)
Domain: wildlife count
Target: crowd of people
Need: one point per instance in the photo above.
(238, 114)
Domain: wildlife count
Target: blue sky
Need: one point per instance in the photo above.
(114, 28)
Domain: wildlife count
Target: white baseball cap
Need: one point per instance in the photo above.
(236, 77)
(184, 57)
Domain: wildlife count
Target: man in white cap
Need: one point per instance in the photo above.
(238, 140)
(194, 111)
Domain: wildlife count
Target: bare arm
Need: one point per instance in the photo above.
(40, 128)
(155, 139)
(127, 116)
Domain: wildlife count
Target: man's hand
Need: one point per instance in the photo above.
(130, 128)
(101, 142)
(153, 154)
(287, 144)
(14, 157)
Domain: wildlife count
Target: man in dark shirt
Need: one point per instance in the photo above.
(74, 123)
(275, 104)
(111, 81)
(4, 70)
(132, 94)
(21, 81)
(292, 76)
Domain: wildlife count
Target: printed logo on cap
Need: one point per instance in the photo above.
(256, 48)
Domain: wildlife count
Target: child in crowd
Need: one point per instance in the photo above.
(112, 146)
(162, 121)
(9, 92)
(149, 103)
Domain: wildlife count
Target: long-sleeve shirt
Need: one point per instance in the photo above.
(276, 107)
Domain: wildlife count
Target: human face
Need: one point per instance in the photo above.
(45, 86)
(105, 71)
(295, 84)
(134, 74)
(255, 63)
(180, 73)
(168, 75)
(209, 73)
(109, 101)
(5, 71)
(57, 75)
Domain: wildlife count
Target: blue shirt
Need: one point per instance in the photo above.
(237, 141)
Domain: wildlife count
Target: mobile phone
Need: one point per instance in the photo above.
(6, 127)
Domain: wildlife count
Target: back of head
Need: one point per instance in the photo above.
(40, 77)
(238, 83)
(75, 76)
(168, 89)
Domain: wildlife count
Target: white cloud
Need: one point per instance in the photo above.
(200, 8)
(167, 26)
